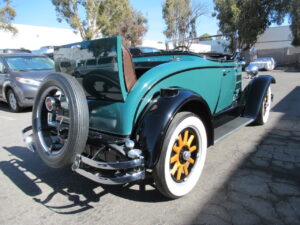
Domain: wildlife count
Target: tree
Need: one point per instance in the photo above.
(7, 14)
(102, 17)
(295, 19)
(251, 17)
(68, 10)
(123, 21)
(205, 37)
(181, 19)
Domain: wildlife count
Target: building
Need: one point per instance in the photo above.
(276, 42)
(35, 37)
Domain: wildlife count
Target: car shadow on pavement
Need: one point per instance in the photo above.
(264, 188)
(75, 193)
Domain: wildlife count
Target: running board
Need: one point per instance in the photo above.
(230, 127)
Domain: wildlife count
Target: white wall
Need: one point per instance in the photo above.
(154, 44)
(34, 37)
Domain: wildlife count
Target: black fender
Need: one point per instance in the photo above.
(152, 125)
(254, 93)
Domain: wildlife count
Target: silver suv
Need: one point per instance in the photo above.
(20, 77)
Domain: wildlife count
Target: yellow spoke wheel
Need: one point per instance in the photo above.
(184, 154)
(182, 157)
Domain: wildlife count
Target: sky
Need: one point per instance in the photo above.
(42, 13)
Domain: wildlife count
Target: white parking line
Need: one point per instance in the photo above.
(6, 118)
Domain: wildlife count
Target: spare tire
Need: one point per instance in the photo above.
(60, 120)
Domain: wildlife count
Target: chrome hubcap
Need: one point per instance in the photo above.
(186, 155)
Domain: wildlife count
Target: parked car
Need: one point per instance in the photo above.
(20, 77)
(264, 63)
(153, 116)
(45, 50)
(136, 51)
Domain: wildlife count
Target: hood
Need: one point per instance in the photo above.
(38, 75)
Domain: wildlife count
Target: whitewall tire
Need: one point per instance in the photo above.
(182, 156)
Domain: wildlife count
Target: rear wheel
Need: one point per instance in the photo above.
(183, 155)
(60, 120)
(12, 101)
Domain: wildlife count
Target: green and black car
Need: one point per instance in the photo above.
(115, 119)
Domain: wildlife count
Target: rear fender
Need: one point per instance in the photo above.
(254, 93)
(153, 123)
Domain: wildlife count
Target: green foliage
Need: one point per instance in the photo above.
(181, 17)
(295, 19)
(106, 17)
(205, 37)
(68, 10)
(251, 17)
(7, 14)
(119, 18)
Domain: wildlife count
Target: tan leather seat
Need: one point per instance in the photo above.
(128, 69)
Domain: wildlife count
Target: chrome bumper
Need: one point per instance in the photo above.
(136, 174)
(134, 168)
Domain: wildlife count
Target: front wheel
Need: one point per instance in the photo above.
(12, 101)
(264, 112)
(182, 156)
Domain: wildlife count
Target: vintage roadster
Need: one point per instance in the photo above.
(115, 119)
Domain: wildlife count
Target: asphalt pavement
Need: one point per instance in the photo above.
(251, 177)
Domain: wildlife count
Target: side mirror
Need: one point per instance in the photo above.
(252, 70)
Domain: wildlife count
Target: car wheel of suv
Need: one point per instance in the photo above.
(12, 101)
(264, 112)
(60, 120)
(182, 156)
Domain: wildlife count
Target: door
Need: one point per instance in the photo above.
(227, 88)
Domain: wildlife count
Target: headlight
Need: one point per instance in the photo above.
(28, 81)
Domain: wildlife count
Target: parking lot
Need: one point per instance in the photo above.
(251, 177)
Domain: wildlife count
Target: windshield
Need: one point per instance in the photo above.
(149, 50)
(26, 63)
(94, 64)
(215, 45)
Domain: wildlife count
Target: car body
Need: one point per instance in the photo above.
(151, 114)
(264, 63)
(20, 78)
